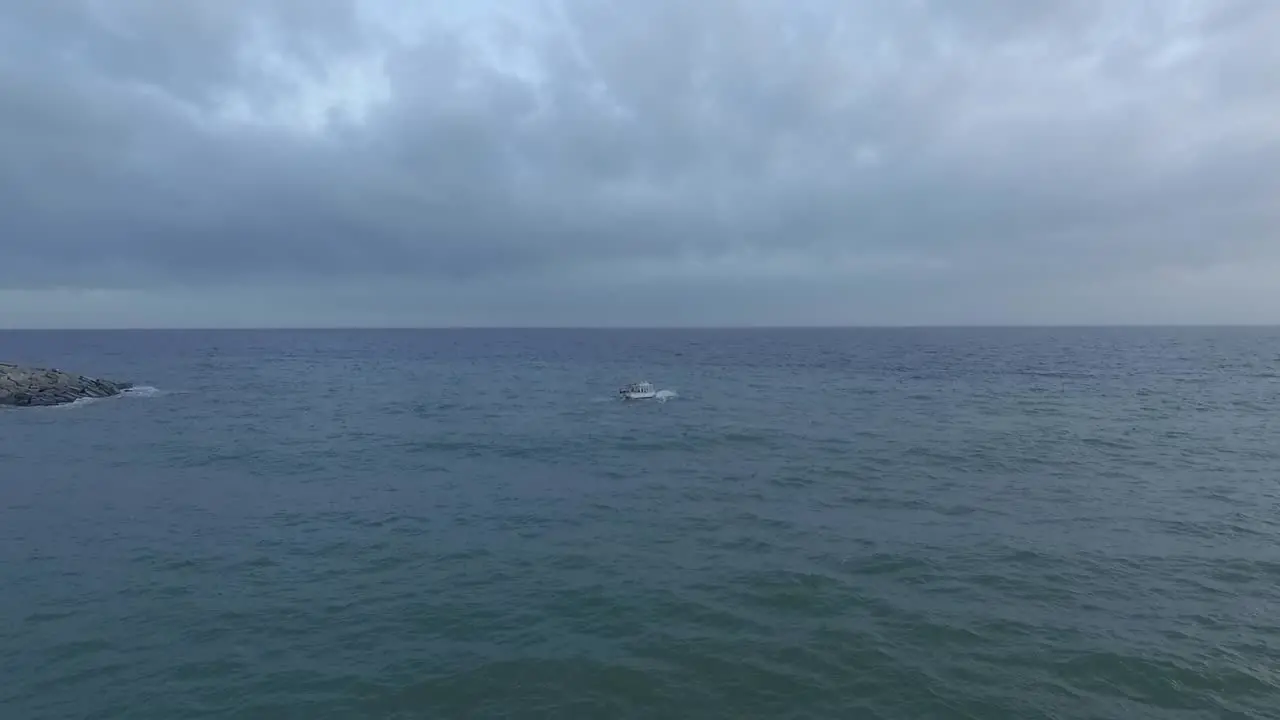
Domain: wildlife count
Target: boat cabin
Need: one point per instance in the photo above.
(637, 390)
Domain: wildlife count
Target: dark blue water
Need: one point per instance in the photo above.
(820, 523)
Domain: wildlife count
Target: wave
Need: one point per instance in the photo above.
(77, 403)
(142, 391)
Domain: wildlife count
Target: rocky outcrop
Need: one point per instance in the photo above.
(39, 386)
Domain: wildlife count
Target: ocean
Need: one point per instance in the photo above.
(813, 523)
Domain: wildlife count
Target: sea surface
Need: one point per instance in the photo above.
(916, 523)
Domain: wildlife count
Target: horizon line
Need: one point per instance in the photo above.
(623, 328)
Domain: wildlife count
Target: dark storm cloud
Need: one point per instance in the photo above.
(926, 152)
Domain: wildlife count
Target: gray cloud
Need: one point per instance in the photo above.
(385, 162)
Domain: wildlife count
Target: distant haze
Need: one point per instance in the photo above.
(615, 162)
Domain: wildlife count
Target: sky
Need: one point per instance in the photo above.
(404, 163)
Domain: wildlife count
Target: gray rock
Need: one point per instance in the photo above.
(31, 387)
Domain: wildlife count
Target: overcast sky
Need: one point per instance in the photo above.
(615, 162)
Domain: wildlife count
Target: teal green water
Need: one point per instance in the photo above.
(817, 524)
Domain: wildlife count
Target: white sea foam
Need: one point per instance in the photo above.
(143, 391)
(79, 402)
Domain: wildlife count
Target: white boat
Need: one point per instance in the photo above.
(638, 391)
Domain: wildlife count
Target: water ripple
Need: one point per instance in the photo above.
(889, 525)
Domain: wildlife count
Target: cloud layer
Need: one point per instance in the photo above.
(599, 162)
